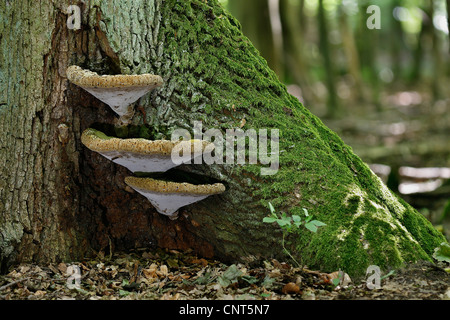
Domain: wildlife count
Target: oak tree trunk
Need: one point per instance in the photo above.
(60, 201)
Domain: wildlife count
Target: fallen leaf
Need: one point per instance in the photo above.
(201, 262)
(308, 295)
(150, 273)
(163, 271)
(62, 267)
(290, 288)
(39, 293)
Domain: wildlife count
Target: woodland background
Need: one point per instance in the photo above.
(385, 91)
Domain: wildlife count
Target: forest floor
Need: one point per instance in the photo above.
(173, 275)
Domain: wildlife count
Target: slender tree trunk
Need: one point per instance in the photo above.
(254, 17)
(333, 102)
(419, 52)
(397, 43)
(294, 41)
(448, 16)
(61, 201)
(438, 71)
(351, 52)
(368, 42)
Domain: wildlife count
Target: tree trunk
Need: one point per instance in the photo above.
(325, 50)
(293, 26)
(254, 17)
(368, 43)
(351, 52)
(61, 201)
(448, 16)
(39, 152)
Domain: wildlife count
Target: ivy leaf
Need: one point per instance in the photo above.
(336, 282)
(318, 223)
(442, 253)
(269, 219)
(250, 279)
(284, 221)
(268, 282)
(297, 220)
(123, 293)
(272, 209)
(231, 275)
(313, 225)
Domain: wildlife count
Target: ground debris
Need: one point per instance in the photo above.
(173, 275)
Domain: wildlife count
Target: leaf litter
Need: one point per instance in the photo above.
(163, 274)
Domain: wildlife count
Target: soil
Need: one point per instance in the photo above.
(173, 275)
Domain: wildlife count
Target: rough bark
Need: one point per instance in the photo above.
(60, 201)
(39, 168)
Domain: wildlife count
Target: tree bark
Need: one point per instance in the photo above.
(39, 158)
(62, 202)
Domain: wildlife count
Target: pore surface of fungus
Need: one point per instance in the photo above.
(141, 155)
(117, 91)
(167, 197)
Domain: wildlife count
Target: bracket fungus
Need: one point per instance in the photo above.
(141, 155)
(117, 91)
(167, 197)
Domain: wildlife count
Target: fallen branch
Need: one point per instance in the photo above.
(13, 283)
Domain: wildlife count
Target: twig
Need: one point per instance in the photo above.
(13, 283)
(289, 253)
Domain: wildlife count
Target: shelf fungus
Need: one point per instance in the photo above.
(142, 155)
(117, 91)
(167, 197)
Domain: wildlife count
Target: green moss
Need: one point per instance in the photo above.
(100, 134)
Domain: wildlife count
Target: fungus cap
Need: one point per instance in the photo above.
(117, 91)
(142, 155)
(167, 197)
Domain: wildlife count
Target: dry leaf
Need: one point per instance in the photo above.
(39, 293)
(201, 262)
(150, 272)
(62, 267)
(333, 275)
(163, 271)
(298, 280)
(290, 288)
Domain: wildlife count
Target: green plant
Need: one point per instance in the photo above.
(442, 253)
(292, 224)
